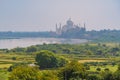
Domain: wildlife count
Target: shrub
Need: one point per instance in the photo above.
(25, 73)
(93, 77)
(14, 58)
(98, 69)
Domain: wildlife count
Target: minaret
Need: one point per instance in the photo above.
(56, 29)
(84, 26)
(79, 25)
(60, 26)
(56, 25)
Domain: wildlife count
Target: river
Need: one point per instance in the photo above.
(25, 42)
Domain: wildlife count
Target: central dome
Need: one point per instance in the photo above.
(69, 22)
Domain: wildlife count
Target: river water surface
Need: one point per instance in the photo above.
(25, 42)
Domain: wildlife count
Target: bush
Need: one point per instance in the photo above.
(14, 58)
(87, 67)
(16, 65)
(25, 73)
(106, 69)
(31, 49)
(98, 69)
(107, 75)
(49, 75)
(93, 77)
(116, 74)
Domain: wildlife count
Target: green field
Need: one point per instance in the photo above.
(4, 75)
(110, 67)
(83, 53)
(6, 60)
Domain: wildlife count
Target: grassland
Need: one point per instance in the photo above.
(6, 60)
(110, 67)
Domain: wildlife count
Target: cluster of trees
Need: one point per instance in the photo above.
(71, 71)
(32, 73)
(12, 35)
(97, 36)
(81, 49)
(46, 59)
(49, 66)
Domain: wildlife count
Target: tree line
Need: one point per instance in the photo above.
(98, 49)
(96, 36)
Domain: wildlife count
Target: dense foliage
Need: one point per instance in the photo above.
(47, 59)
(73, 70)
(25, 73)
(97, 36)
(97, 49)
(54, 67)
(32, 73)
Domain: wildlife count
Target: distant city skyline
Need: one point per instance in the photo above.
(42, 15)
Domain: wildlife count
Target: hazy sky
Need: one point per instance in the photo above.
(42, 15)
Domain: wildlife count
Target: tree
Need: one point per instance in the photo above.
(66, 51)
(49, 75)
(114, 50)
(31, 49)
(107, 75)
(88, 52)
(47, 59)
(116, 74)
(16, 65)
(118, 66)
(99, 52)
(18, 49)
(73, 70)
(93, 77)
(98, 69)
(25, 73)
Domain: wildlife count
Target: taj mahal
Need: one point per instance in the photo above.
(69, 26)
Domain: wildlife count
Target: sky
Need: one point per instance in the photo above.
(42, 15)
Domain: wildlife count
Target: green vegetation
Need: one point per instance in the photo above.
(47, 59)
(90, 61)
(95, 36)
(25, 73)
(4, 74)
(73, 70)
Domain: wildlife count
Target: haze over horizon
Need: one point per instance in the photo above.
(42, 15)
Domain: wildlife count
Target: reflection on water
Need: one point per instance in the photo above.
(25, 42)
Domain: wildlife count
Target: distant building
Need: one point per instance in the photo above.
(69, 26)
